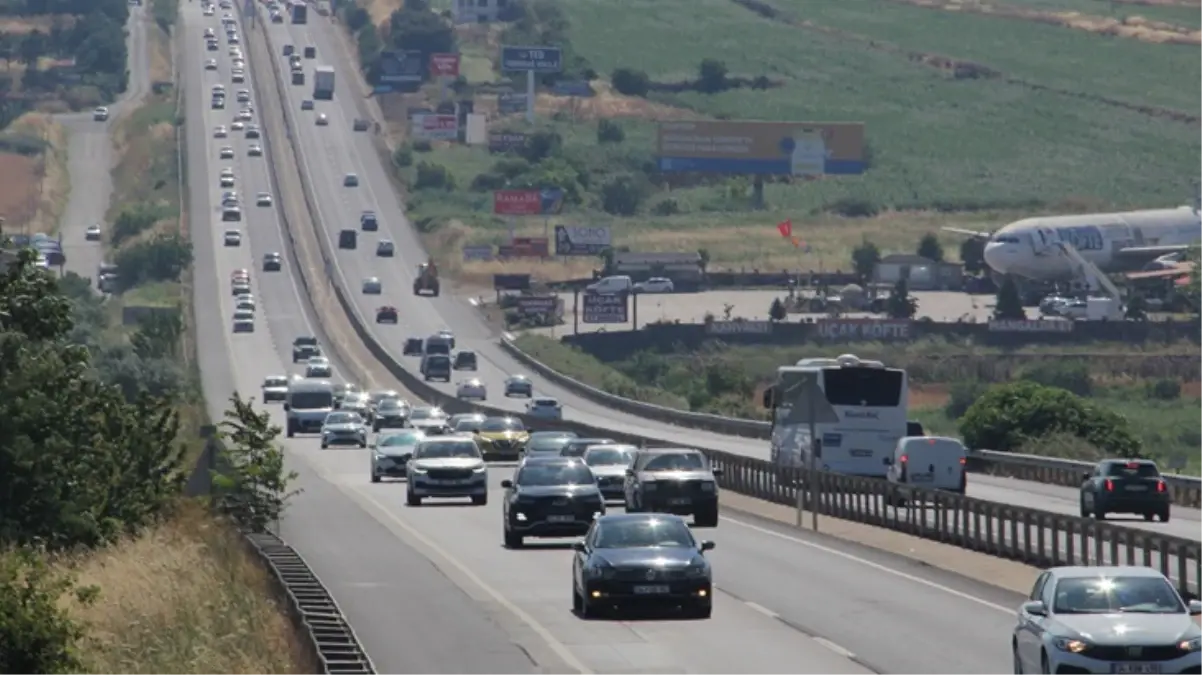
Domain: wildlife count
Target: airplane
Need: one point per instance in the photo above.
(1113, 242)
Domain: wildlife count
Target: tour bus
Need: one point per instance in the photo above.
(859, 411)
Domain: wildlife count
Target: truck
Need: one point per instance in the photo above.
(323, 83)
(427, 279)
(300, 12)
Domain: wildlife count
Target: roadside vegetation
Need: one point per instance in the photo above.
(34, 182)
(1156, 392)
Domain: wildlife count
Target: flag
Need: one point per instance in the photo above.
(785, 227)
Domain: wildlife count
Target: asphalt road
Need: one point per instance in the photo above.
(432, 590)
(90, 156)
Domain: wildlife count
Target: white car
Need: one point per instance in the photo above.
(1106, 620)
(229, 198)
(233, 238)
(92, 233)
(208, 10)
(472, 390)
(519, 385)
(244, 321)
(238, 125)
(263, 199)
(243, 96)
(372, 286)
(275, 388)
(544, 408)
(100, 114)
(246, 297)
(210, 64)
(238, 75)
(435, 459)
(255, 150)
(226, 152)
(322, 120)
(220, 131)
(245, 115)
(654, 285)
(247, 305)
(319, 366)
(240, 288)
(608, 464)
(391, 452)
(343, 428)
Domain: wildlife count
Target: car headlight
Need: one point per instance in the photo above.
(695, 571)
(707, 487)
(1072, 646)
(480, 469)
(417, 469)
(1190, 645)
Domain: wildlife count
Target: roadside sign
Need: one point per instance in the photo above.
(532, 59)
(531, 305)
(508, 104)
(436, 127)
(605, 308)
(543, 202)
(444, 65)
(401, 67)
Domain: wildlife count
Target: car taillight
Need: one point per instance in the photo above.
(1160, 486)
(904, 459)
(963, 461)
(1109, 485)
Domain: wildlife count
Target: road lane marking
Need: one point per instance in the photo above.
(872, 565)
(845, 653)
(761, 609)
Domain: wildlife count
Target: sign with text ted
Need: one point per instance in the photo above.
(532, 59)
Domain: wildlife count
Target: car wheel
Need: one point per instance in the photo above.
(479, 500)
(412, 499)
(577, 601)
(1149, 516)
(512, 540)
(362, 444)
(1084, 511)
(1099, 513)
(1043, 663)
(1164, 515)
(706, 518)
(375, 478)
(325, 446)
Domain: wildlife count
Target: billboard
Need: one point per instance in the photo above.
(444, 65)
(434, 127)
(850, 330)
(581, 240)
(482, 252)
(531, 305)
(604, 308)
(511, 282)
(401, 67)
(766, 148)
(532, 59)
(525, 247)
(505, 141)
(574, 88)
(544, 202)
(509, 104)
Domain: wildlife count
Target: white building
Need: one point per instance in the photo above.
(479, 11)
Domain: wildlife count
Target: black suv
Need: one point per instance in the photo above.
(368, 221)
(673, 480)
(305, 348)
(414, 347)
(1125, 486)
(272, 262)
(550, 497)
(465, 360)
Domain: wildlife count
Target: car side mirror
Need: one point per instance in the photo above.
(707, 545)
(507, 484)
(629, 472)
(1035, 608)
(287, 406)
(1195, 607)
(578, 546)
(716, 472)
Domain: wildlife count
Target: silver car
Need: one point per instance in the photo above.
(343, 428)
(275, 388)
(609, 463)
(391, 452)
(451, 466)
(1106, 620)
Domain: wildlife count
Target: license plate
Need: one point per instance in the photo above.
(1137, 488)
(1135, 668)
(651, 590)
(560, 519)
(678, 501)
(451, 481)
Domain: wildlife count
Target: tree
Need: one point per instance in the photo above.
(712, 75)
(1008, 416)
(777, 311)
(901, 305)
(630, 82)
(622, 196)
(413, 28)
(864, 259)
(1009, 304)
(609, 131)
(33, 47)
(930, 248)
(37, 635)
(254, 490)
(972, 254)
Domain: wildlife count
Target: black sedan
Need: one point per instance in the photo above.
(550, 497)
(1125, 486)
(390, 414)
(272, 262)
(387, 314)
(642, 560)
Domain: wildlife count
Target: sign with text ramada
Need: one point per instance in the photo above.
(545, 202)
(444, 65)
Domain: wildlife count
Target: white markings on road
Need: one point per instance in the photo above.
(834, 647)
(761, 609)
(873, 565)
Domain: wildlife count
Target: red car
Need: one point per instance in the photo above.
(386, 314)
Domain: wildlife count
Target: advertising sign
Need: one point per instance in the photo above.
(575, 88)
(435, 127)
(767, 148)
(848, 330)
(444, 65)
(511, 282)
(531, 305)
(545, 202)
(581, 240)
(525, 247)
(604, 308)
(477, 252)
(510, 104)
(401, 67)
(739, 328)
(1021, 326)
(532, 59)
(504, 141)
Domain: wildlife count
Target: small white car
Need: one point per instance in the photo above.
(350, 180)
(372, 286)
(544, 408)
(100, 114)
(343, 428)
(226, 152)
(238, 125)
(319, 366)
(238, 75)
(210, 64)
(208, 10)
(227, 179)
(233, 238)
(244, 321)
(229, 198)
(654, 285)
(322, 120)
(275, 388)
(263, 199)
(434, 457)
(245, 115)
(247, 298)
(472, 390)
(391, 452)
(92, 233)
(255, 150)
(519, 385)
(246, 305)
(220, 131)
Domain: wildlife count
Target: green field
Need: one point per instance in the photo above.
(1180, 14)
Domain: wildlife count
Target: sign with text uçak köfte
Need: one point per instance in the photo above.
(581, 240)
(544, 202)
(532, 59)
(605, 308)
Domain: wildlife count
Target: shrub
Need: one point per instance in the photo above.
(1068, 375)
(431, 176)
(36, 635)
(163, 258)
(961, 397)
(403, 155)
(609, 131)
(630, 82)
(1164, 389)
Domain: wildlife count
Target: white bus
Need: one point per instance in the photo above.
(861, 411)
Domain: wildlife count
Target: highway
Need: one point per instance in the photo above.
(433, 590)
(90, 156)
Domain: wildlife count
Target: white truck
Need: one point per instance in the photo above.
(323, 83)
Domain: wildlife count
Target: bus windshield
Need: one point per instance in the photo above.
(864, 387)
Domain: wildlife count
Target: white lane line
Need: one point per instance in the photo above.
(556, 646)
(834, 647)
(761, 609)
(872, 565)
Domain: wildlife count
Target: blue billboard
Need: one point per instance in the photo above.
(532, 59)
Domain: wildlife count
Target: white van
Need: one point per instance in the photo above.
(611, 285)
(931, 462)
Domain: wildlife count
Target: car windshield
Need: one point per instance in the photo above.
(644, 533)
(465, 357)
(554, 473)
(311, 400)
(389, 405)
(427, 414)
(607, 456)
(395, 440)
(446, 450)
(684, 461)
(276, 382)
(577, 446)
(547, 444)
(1108, 595)
(342, 418)
(546, 402)
(502, 424)
(467, 425)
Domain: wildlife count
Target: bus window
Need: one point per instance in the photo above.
(871, 387)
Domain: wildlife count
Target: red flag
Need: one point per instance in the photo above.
(785, 227)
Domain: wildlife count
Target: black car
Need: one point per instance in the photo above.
(387, 314)
(359, 124)
(368, 222)
(1125, 486)
(673, 480)
(642, 560)
(413, 347)
(272, 262)
(465, 360)
(348, 239)
(550, 497)
(305, 348)
(391, 413)
(577, 446)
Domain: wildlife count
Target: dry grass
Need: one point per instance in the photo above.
(381, 10)
(159, 47)
(46, 185)
(20, 25)
(186, 597)
(18, 185)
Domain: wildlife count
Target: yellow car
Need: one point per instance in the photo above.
(501, 438)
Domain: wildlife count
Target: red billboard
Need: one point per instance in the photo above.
(527, 202)
(525, 247)
(444, 65)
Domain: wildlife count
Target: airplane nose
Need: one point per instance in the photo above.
(997, 256)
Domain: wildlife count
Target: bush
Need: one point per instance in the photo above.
(1068, 375)
(20, 144)
(131, 222)
(163, 258)
(961, 397)
(487, 182)
(1164, 389)
(609, 131)
(630, 82)
(666, 207)
(36, 634)
(403, 156)
(431, 176)
(422, 145)
(622, 196)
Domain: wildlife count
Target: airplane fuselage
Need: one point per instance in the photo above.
(1114, 242)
